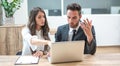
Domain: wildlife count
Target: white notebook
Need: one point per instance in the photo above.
(27, 60)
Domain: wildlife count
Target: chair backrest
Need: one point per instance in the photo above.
(19, 52)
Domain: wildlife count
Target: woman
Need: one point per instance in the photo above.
(35, 35)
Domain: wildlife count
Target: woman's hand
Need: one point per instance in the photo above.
(38, 54)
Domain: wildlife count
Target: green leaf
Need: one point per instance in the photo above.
(11, 7)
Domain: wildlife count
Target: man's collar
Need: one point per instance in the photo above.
(71, 29)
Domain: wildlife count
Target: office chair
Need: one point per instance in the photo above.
(19, 52)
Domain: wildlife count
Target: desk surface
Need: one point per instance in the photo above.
(111, 59)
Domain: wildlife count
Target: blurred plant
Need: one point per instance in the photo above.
(10, 7)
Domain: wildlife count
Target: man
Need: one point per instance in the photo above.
(82, 30)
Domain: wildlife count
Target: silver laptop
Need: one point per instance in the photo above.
(67, 51)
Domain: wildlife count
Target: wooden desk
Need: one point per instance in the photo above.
(10, 39)
(108, 59)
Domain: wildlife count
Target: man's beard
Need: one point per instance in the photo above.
(74, 26)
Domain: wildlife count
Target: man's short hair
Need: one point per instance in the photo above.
(74, 6)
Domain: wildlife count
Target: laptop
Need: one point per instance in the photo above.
(67, 51)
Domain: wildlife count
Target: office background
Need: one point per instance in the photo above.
(107, 25)
(96, 6)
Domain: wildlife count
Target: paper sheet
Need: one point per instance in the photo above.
(27, 60)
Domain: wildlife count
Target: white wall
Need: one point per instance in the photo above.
(21, 15)
(107, 29)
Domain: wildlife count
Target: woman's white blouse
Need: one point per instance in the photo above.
(26, 41)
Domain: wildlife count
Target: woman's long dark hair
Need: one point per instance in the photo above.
(32, 23)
